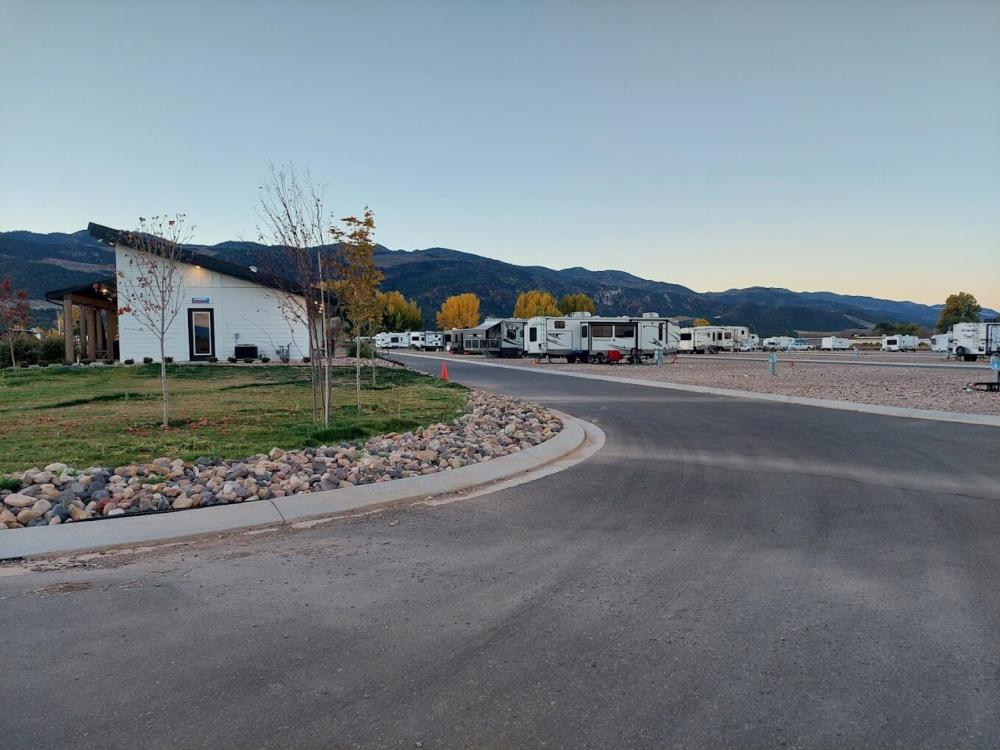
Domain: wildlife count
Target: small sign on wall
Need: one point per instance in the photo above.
(200, 301)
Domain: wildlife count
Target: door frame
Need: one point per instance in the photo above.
(190, 318)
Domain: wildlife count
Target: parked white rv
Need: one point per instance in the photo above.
(416, 339)
(972, 340)
(433, 340)
(749, 344)
(392, 340)
(898, 343)
(583, 337)
(710, 339)
(834, 343)
(940, 342)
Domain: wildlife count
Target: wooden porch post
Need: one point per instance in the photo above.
(100, 340)
(83, 331)
(112, 332)
(68, 329)
(91, 333)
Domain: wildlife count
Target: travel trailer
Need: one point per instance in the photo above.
(973, 340)
(433, 341)
(898, 343)
(416, 339)
(583, 337)
(495, 337)
(392, 340)
(749, 344)
(707, 339)
(941, 342)
(453, 340)
(834, 344)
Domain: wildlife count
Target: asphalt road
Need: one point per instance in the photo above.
(724, 573)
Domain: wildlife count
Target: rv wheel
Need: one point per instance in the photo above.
(600, 358)
(959, 351)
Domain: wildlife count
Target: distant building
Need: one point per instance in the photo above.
(223, 306)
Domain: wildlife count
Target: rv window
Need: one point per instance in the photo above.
(601, 330)
(661, 332)
(583, 330)
(532, 334)
(625, 332)
(685, 337)
(559, 324)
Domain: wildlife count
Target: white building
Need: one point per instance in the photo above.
(223, 306)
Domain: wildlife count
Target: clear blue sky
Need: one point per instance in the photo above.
(850, 146)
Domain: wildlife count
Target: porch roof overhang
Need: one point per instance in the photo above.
(98, 293)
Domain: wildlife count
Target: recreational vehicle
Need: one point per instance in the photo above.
(750, 344)
(972, 340)
(583, 337)
(495, 337)
(834, 344)
(940, 342)
(710, 339)
(898, 343)
(800, 345)
(433, 340)
(392, 340)
(453, 340)
(416, 340)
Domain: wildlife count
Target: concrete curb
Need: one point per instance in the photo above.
(982, 420)
(158, 527)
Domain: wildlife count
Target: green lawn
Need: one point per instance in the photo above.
(110, 416)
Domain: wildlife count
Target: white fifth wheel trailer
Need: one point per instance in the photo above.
(834, 344)
(583, 337)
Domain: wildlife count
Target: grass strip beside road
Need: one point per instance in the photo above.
(110, 416)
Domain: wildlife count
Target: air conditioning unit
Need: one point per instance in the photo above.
(246, 351)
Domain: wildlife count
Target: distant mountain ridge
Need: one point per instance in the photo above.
(43, 262)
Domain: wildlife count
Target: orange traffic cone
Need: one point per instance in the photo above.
(444, 370)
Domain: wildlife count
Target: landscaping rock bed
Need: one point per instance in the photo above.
(493, 426)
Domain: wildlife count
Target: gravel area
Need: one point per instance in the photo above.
(493, 426)
(887, 386)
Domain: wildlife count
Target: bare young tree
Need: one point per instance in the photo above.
(151, 287)
(296, 224)
(15, 314)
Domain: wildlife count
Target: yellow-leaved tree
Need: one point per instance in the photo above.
(701, 322)
(459, 311)
(579, 302)
(399, 313)
(535, 302)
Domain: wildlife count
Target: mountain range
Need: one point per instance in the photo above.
(43, 262)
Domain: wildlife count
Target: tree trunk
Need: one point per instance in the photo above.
(163, 382)
(374, 363)
(357, 369)
(13, 361)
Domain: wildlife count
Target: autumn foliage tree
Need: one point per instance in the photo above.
(958, 308)
(356, 280)
(535, 302)
(15, 314)
(151, 286)
(459, 311)
(579, 302)
(399, 313)
(701, 322)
